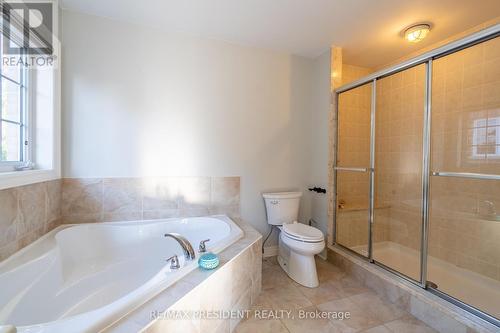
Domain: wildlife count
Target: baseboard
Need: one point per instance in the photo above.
(270, 251)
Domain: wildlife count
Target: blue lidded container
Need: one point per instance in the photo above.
(208, 261)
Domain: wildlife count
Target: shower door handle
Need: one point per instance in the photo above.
(465, 175)
(351, 169)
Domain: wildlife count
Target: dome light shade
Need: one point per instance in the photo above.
(416, 33)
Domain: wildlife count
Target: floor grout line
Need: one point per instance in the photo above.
(276, 284)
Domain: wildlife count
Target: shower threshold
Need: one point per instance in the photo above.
(469, 287)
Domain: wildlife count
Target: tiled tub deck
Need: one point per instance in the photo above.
(234, 285)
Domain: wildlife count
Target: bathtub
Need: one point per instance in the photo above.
(84, 277)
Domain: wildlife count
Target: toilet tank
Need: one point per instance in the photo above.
(282, 207)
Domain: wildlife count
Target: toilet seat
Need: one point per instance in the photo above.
(302, 232)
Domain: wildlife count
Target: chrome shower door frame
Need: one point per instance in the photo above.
(427, 59)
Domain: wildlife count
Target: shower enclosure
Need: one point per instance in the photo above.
(418, 171)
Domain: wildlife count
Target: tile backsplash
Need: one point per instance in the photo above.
(122, 199)
(28, 212)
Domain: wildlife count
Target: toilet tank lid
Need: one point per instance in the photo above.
(282, 195)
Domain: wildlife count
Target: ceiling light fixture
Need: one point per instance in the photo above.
(417, 32)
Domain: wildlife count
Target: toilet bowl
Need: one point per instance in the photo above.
(298, 243)
(296, 253)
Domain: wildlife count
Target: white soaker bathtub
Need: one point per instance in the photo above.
(84, 277)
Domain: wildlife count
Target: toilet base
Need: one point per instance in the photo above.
(300, 268)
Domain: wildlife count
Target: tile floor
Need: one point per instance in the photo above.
(337, 292)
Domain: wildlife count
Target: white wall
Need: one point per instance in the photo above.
(139, 102)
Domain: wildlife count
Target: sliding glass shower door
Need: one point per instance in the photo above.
(418, 171)
(353, 165)
(464, 239)
(399, 121)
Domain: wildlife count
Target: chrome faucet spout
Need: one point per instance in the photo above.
(187, 248)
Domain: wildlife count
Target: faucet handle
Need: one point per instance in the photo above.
(202, 248)
(174, 262)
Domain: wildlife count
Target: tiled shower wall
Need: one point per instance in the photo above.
(28, 212)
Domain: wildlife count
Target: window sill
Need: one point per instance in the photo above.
(19, 178)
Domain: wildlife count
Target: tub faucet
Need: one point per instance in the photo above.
(491, 207)
(184, 243)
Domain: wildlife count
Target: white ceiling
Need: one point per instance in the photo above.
(368, 30)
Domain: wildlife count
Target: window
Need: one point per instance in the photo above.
(486, 138)
(14, 116)
(30, 116)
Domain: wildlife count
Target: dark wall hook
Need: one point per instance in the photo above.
(317, 189)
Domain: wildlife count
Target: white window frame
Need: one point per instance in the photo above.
(48, 148)
(25, 121)
(483, 124)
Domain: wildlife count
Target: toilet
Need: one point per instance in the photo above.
(298, 242)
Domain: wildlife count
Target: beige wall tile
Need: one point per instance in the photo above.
(8, 249)
(160, 193)
(148, 198)
(160, 214)
(8, 216)
(121, 216)
(231, 211)
(27, 213)
(194, 192)
(194, 212)
(225, 191)
(122, 195)
(53, 200)
(30, 237)
(82, 218)
(81, 196)
(50, 225)
(32, 208)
